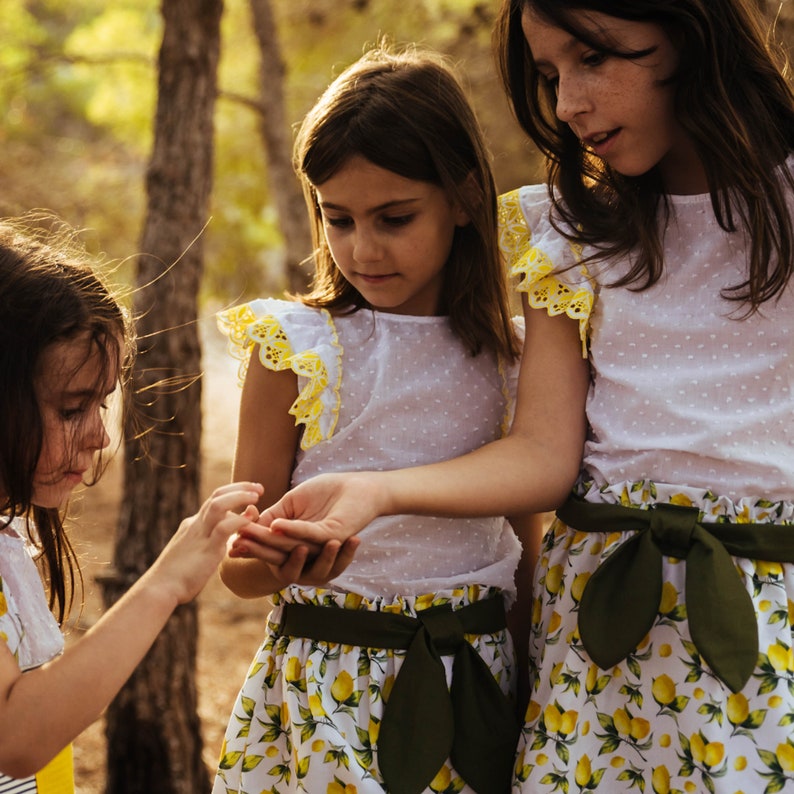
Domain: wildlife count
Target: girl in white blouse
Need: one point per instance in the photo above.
(404, 352)
(64, 345)
(655, 400)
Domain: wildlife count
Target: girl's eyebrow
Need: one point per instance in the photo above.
(328, 205)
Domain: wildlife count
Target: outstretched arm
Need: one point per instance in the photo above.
(530, 471)
(48, 707)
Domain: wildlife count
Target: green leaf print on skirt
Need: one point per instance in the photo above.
(660, 720)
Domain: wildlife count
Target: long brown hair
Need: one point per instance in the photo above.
(49, 292)
(733, 98)
(404, 111)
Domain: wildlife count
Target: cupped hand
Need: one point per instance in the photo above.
(326, 507)
(300, 566)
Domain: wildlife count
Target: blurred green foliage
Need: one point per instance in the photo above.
(77, 99)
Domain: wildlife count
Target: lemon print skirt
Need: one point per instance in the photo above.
(660, 720)
(308, 714)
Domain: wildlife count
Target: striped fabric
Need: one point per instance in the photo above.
(56, 778)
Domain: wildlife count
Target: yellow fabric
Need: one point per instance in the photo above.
(534, 269)
(58, 776)
(245, 330)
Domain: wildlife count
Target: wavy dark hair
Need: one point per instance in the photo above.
(49, 293)
(733, 97)
(405, 111)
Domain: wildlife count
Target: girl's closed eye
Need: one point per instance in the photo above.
(346, 222)
(338, 222)
(594, 57)
(398, 220)
(72, 413)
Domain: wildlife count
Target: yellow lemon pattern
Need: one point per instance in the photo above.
(660, 721)
(307, 718)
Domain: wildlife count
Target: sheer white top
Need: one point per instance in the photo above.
(683, 389)
(384, 391)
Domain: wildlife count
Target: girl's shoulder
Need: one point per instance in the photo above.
(27, 626)
(295, 337)
(237, 321)
(547, 265)
(281, 328)
(527, 223)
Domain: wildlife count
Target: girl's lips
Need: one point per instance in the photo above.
(601, 143)
(370, 279)
(74, 477)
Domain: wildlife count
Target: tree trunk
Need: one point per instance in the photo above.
(153, 728)
(287, 193)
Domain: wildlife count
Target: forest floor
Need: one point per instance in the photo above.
(230, 629)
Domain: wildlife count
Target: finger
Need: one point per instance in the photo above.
(259, 534)
(320, 569)
(250, 513)
(305, 531)
(284, 508)
(345, 556)
(245, 549)
(291, 570)
(230, 522)
(334, 558)
(228, 499)
(271, 514)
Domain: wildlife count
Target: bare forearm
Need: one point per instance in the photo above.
(509, 476)
(51, 705)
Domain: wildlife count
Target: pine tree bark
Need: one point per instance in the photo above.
(153, 727)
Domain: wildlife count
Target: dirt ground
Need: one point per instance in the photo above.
(230, 628)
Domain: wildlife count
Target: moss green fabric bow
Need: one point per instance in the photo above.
(424, 721)
(621, 599)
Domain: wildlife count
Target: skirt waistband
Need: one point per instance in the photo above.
(621, 599)
(424, 722)
(394, 631)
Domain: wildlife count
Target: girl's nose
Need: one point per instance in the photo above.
(95, 435)
(571, 99)
(367, 247)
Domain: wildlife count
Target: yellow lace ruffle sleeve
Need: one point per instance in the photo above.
(317, 404)
(534, 267)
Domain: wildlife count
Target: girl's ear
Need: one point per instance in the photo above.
(471, 194)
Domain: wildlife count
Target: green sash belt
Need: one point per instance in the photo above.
(424, 722)
(621, 599)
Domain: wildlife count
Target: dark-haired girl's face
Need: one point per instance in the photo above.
(389, 236)
(621, 108)
(71, 390)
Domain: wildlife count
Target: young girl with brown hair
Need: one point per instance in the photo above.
(403, 353)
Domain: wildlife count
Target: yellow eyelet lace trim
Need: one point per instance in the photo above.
(245, 330)
(534, 269)
(233, 324)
